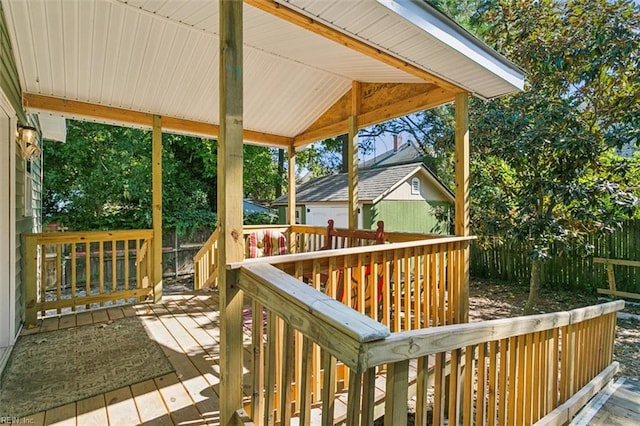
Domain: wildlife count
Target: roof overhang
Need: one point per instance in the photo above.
(124, 61)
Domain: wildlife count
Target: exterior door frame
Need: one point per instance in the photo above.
(8, 124)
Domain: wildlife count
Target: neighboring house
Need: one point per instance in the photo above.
(20, 196)
(400, 154)
(406, 197)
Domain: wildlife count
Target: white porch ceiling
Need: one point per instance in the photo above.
(161, 56)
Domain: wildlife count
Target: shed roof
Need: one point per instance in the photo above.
(97, 59)
(373, 185)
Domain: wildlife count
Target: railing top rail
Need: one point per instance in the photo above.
(332, 325)
(84, 236)
(251, 228)
(290, 258)
(417, 343)
(205, 247)
(309, 229)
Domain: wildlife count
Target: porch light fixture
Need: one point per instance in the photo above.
(27, 139)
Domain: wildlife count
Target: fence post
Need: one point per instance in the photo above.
(31, 278)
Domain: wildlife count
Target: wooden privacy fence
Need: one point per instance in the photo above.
(566, 268)
(60, 269)
(515, 371)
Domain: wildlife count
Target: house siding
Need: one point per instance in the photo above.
(282, 214)
(409, 216)
(10, 86)
(9, 81)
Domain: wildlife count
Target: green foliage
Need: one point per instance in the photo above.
(260, 172)
(101, 179)
(256, 218)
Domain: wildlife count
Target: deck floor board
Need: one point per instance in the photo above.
(621, 405)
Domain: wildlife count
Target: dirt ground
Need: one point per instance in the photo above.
(491, 300)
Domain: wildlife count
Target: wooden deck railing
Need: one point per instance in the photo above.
(515, 371)
(509, 371)
(287, 380)
(72, 269)
(406, 286)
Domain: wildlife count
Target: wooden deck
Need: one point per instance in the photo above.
(186, 327)
(616, 404)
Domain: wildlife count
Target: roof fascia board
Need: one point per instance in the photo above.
(124, 117)
(442, 28)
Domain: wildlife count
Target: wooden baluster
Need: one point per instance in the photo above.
(138, 265)
(553, 362)
(454, 377)
(433, 287)
(361, 291)
(101, 269)
(395, 406)
(306, 387)
(114, 267)
(407, 291)
(481, 369)
(426, 295)
(353, 399)
(328, 389)
(368, 397)
(513, 364)
(441, 287)
(270, 372)
(422, 387)
(126, 264)
(503, 372)
(87, 274)
(492, 389)
(58, 274)
(74, 276)
(287, 355)
(439, 390)
(397, 293)
(524, 389)
(467, 393)
(257, 361)
(452, 291)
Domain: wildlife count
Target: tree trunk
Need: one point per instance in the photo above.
(345, 153)
(280, 178)
(534, 286)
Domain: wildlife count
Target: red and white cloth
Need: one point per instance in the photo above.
(266, 243)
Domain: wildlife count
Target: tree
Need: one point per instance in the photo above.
(101, 178)
(543, 171)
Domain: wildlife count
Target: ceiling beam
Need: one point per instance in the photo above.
(121, 116)
(317, 27)
(379, 102)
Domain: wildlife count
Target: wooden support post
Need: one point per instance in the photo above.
(230, 243)
(352, 167)
(156, 156)
(291, 201)
(462, 196)
(31, 278)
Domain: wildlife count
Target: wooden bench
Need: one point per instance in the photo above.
(609, 263)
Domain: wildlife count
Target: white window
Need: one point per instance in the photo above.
(415, 186)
